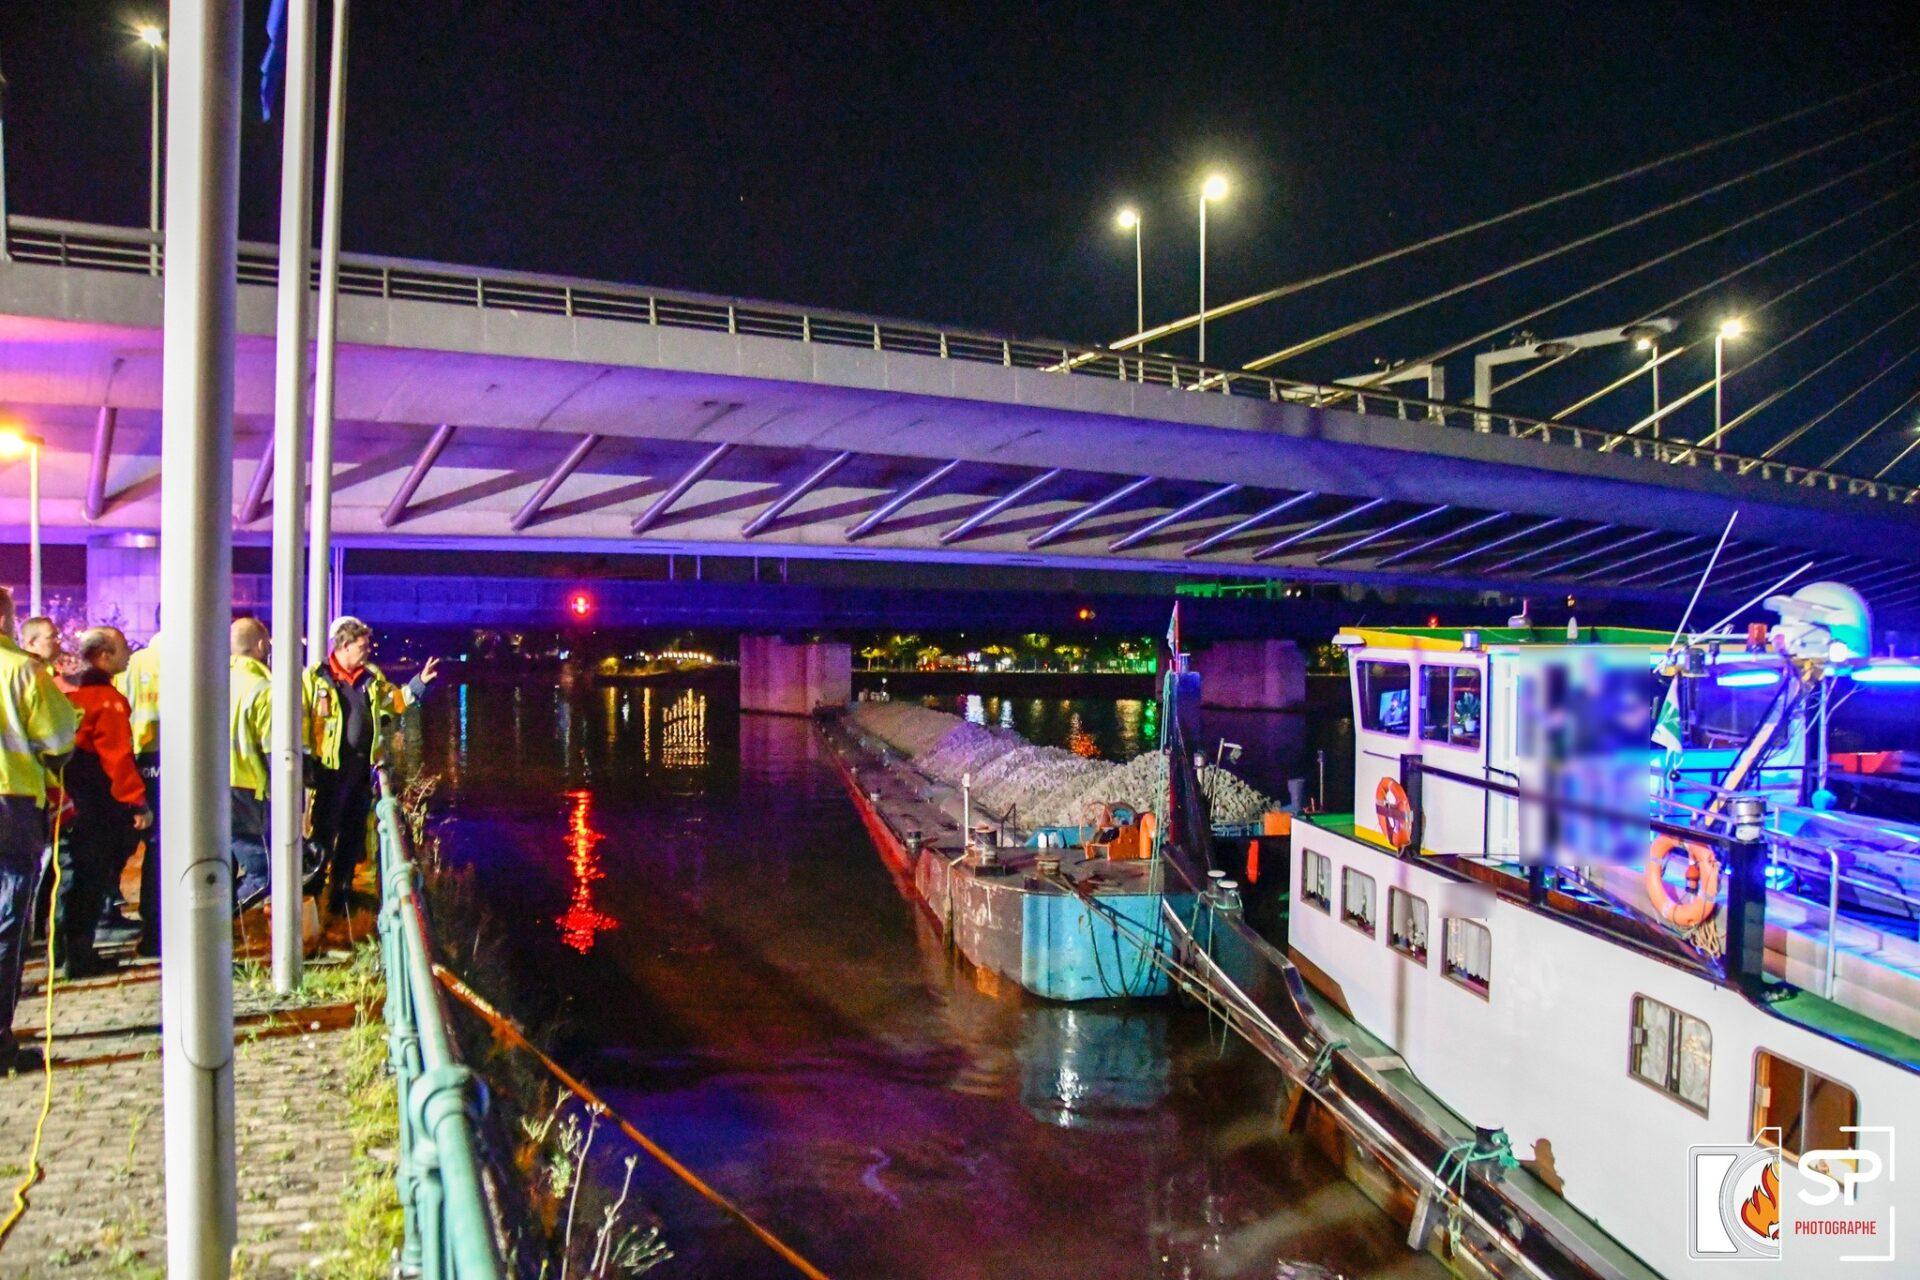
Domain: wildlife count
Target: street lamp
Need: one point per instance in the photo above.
(1129, 220)
(1646, 337)
(1729, 329)
(14, 444)
(155, 39)
(1213, 189)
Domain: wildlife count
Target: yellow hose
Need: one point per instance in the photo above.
(34, 1171)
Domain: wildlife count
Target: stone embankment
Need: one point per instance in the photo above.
(1039, 786)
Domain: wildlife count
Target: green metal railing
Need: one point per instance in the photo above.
(450, 1230)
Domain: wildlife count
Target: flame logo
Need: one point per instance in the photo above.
(1761, 1212)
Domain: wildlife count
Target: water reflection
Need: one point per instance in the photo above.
(748, 977)
(582, 922)
(1092, 1067)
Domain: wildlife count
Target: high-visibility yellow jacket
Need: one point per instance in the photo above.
(36, 720)
(326, 720)
(140, 685)
(250, 700)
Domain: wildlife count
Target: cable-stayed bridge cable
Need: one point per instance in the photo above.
(1686, 153)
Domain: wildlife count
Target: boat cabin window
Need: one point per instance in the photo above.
(1672, 1051)
(1357, 901)
(1810, 1111)
(1386, 697)
(1316, 880)
(1450, 705)
(1468, 958)
(1407, 924)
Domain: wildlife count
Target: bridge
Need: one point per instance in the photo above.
(486, 410)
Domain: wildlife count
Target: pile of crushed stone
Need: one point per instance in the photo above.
(1040, 786)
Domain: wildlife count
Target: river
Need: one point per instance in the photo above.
(749, 985)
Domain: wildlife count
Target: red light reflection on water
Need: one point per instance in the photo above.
(582, 922)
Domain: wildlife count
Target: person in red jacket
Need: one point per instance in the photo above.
(109, 802)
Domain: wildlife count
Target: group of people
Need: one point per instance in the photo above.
(80, 772)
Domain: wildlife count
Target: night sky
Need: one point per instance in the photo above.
(963, 163)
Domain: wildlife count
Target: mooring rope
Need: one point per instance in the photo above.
(503, 1026)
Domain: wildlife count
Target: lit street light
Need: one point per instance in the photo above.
(14, 444)
(155, 39)
(1729, 329)
(1129, 220)
(1213, 189)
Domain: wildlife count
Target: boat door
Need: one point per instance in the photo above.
(1452, 737)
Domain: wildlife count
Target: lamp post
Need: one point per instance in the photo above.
(156, 41)
(1728, 329)
(1129, 220)
(14, 444)
(1214, 188)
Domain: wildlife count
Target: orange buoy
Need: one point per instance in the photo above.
(1395, 811)
(1253, 862)
(1703, 882)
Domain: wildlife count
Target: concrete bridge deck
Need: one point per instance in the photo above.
(489, 410)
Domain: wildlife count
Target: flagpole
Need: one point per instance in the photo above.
(196, 593)
(320, 541)
(290, 492)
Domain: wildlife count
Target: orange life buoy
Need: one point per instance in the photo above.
(1395, 811)
(1703, 882)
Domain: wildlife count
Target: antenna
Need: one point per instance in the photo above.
(1700, 586)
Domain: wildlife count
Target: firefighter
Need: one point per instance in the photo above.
(37, 727)
(351, 707)
(250, 697)
(140, 683)
(109, 802)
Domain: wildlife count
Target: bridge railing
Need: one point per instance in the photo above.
(76, 244)
(449, 1229)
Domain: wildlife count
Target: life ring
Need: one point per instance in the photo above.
(1703, 882)
(1395, 811)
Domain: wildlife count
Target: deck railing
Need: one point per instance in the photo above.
(450, 1232)
(78, 244)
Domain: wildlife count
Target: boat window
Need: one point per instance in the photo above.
(1450, 705)
(1386, 695)
(1357, 899)
(1810, 1111)
(1407, 924)
(1672, 1051)
(1316, 880)
(1468, 958)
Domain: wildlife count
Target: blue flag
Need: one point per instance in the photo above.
(273, 68)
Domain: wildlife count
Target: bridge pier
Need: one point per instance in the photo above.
(1252, 675)
(123, 578)
(792, 678)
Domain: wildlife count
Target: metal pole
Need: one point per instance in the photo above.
(290, 493)
(153, 161)
(33, 529)
(320, 543)
(6, 253)
(1719, 372)
(1653, 371)
(196, 592)
(1139, 283)
(1203, 277)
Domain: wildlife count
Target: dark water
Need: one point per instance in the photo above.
(749, 985)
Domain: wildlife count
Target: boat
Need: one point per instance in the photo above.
(1065, 911)
(1499, 1008)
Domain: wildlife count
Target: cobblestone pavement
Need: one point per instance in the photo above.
(100, 1211)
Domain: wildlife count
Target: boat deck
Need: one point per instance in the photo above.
(1530, 1184)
